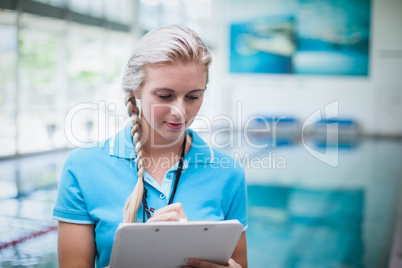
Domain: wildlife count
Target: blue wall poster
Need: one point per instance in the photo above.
(318, 37)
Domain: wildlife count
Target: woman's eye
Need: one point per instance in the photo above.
(165, 97)
(193, 97)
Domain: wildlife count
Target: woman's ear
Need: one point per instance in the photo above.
(137, 95)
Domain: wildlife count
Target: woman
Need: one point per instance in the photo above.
(156, 169)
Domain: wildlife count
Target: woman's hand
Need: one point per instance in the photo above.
(206, 264)
(172, 212)
(238, 260)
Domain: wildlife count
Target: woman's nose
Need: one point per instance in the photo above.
(178, 109)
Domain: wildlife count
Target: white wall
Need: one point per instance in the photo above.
(374, 101)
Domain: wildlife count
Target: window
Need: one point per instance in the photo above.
(8, 55)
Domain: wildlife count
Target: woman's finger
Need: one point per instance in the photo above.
(168, 216)
(206, 264)
(175, 207)
(179, 208)
(232, 263)
(202, 264)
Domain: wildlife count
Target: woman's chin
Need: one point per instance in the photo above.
(174, 135)
(171, 135)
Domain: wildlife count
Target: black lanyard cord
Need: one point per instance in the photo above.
(176, 183)
(145, 205)
(179, 170)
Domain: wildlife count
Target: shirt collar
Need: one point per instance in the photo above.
(121, 146)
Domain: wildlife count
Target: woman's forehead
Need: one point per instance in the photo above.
(190, 76)
(177, 64)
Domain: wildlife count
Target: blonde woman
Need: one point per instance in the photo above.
(156, 168)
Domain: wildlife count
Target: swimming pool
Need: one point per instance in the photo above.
(310, 214)
(304, 213)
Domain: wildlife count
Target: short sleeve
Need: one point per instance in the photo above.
(70, 204)
(238, 206)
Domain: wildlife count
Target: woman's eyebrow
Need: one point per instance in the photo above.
(196, 90)
(164, 89)
(172, 91)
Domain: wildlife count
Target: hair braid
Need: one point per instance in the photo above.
(133, 202)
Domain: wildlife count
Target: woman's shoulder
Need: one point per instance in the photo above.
(224, 159)
(91, 150)
(118, 145)
(218, 158)
(115, 147)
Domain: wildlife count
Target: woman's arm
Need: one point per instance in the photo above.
(240, 252)
(76, 245)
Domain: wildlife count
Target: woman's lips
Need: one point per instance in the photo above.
(174, 125)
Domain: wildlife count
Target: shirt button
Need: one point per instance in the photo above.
(169, 176)
(162, 196)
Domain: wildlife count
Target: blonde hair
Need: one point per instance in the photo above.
(165, 45)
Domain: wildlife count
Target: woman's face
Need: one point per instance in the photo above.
(171, 98)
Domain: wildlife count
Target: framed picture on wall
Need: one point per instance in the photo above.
(317, 37)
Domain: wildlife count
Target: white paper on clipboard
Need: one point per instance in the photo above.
(168, 244)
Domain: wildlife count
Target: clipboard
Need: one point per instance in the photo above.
(168, 244)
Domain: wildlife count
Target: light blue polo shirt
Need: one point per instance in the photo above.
(96, 181)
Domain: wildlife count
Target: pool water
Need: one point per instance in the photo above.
(304, 213)
(296, 227)
(310, 214)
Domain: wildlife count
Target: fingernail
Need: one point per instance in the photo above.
(189, 262)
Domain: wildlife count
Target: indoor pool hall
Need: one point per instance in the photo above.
(200, 133)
